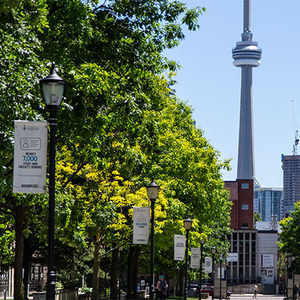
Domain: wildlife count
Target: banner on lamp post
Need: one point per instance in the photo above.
(141, 225)
(208, 265)
(195, 258)
(179, 247)
(30, 157)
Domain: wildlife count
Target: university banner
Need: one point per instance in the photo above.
(141, 225)
(30, 157)
(179, 247)
(208, 265)
(195, 258)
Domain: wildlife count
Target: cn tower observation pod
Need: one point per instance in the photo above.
(246, 53)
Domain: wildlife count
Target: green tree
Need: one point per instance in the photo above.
(289, 236)
(256, 217)
(119, 117)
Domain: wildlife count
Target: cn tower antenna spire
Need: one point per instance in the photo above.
(246, 55)
(247, 15)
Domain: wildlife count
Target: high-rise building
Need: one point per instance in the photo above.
(246, 55)
(291, 182)
(268, 202)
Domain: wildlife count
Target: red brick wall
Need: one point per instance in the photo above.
(241, 195)
(246, 196)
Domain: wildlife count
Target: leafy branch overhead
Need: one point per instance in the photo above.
(119, 125)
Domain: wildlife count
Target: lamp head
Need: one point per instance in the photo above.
(53, 88)
(152, 190)
(188, 224)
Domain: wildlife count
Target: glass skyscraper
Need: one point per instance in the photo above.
(291, 182)
(268, 202)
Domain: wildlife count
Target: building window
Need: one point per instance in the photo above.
(245, 186)
(244, 225)
(245, 207)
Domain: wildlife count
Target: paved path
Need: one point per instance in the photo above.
(259, 297)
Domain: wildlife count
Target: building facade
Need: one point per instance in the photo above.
(241, 195)
(268, 202)
(254, 249)
(291, 182)
(244, 270)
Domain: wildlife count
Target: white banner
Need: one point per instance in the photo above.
(179, 247)
(208, 265)
(267, 260)
(195, 258)
(141, 221)
(222, 272)
(30, 157)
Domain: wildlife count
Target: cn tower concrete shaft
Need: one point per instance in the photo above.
(246, 55)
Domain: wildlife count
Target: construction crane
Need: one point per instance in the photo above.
(296, 132)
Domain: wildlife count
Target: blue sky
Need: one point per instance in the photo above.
(210, 83)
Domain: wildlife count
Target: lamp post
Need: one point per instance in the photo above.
(220, 260)
(213, 251)
(286, 260)
(294, 290)
(120, 271)
(152, 190)
(200, 281)
(52, 88)
(187, 225)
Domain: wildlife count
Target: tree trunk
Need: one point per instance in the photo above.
(30, 246)
(180, 283)
(95, 292)
(19, 227)
(113, 272)
(130, 273)
(135, 269)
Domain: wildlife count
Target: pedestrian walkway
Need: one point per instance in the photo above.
(259, 297)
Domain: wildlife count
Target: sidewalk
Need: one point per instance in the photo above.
(259, 296)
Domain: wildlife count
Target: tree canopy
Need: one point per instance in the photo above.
(289, 236)
(119, 125)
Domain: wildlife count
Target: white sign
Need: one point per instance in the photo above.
(195, 258)
(141, 220)
(233, 257)
(179, 246)
(208, 265)
(267, 260)
(222, 272)
(30, 157)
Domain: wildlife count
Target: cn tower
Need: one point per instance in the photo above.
(246, 55)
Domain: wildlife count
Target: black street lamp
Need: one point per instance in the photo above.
(120, 271)
(294, 289)
(213, 251)
(152, 190)
(220, 259)
(187, 225)
(53, 88)
(286, 260)
(200, 281)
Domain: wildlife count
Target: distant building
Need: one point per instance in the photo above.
(291, 182)
(243, 240)
(255, 248)
(267, 202)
